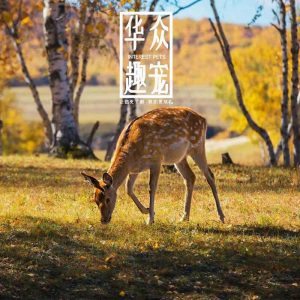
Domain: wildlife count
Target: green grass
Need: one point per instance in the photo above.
(52, 244)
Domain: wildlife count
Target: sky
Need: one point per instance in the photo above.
(233, 11)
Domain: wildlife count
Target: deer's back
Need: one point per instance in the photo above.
(163, 133)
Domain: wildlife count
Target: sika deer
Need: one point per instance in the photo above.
(161, 136)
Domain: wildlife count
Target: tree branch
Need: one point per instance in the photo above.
(180, 8)
(75, 50)
(277, 28)
(13, 33)
(85, 60)
(225, 47)
(92, 133)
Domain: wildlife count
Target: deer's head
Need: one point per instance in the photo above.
(105, 195)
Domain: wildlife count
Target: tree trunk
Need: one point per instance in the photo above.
(295, 82)
(86, 20)
(121, 124)
(85, 59)
(31, 84)
(226, 159)
(285, 85)
(64, 125)
(224, 45)
(1, 126)
(13, 33)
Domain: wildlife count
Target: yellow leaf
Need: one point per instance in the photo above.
(61, 50)
(89, 28)
(101, 28)
(123, 2)
(156, 245)
(7, 17)
(122, 294)
(110, 258)
(26, 21)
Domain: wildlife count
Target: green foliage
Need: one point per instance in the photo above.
(259, 71)
(18, 135)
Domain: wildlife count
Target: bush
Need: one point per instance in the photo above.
(18, 135)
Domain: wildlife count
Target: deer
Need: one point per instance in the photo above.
(166, 135)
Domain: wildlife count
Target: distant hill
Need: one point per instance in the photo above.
(197, 56)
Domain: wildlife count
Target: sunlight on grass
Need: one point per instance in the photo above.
(53, 245)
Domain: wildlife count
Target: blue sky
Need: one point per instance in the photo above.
(233, 11)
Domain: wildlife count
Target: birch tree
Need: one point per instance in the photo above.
(295, 81)
(65, 129)
(62, 130)
(281, 27)
(226, 51)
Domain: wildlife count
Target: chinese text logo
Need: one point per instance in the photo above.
(146, 57)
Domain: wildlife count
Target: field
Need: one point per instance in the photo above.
(102, 103)
(52, 244)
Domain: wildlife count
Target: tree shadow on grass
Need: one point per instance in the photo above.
(39, 177)
(243, 182)
(40, 258)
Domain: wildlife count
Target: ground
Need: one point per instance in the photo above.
(52, 244)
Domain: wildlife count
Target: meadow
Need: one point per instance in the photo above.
(52, 244)
(102, 103)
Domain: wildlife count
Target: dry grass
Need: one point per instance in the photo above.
(102, 103)
(53, 246)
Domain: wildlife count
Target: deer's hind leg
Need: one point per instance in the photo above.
(189, 180)
(154, 175)
(199, 157)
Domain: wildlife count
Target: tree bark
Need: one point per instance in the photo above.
(65, 128)
(95, 127)
(295, 82)
(121, 124)
(282, 29)
(31, 84)
(13, 33)
(1, 126)
(225, 47)
(85, 41)
(75, 49)
(226, 159)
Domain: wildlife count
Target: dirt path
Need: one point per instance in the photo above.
(215, 145)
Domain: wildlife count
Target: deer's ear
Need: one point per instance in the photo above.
(92, 180)
(107, 179)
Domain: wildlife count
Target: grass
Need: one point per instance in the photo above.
(102, 103)
(247, 153)
(52, 244)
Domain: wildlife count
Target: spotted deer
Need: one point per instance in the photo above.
(160, 136)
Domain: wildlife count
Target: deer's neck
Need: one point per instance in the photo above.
(119, 169)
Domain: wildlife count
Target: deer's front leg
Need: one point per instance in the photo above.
(154, 175)
(129, 188)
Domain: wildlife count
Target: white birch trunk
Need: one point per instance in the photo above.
(64, 125)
